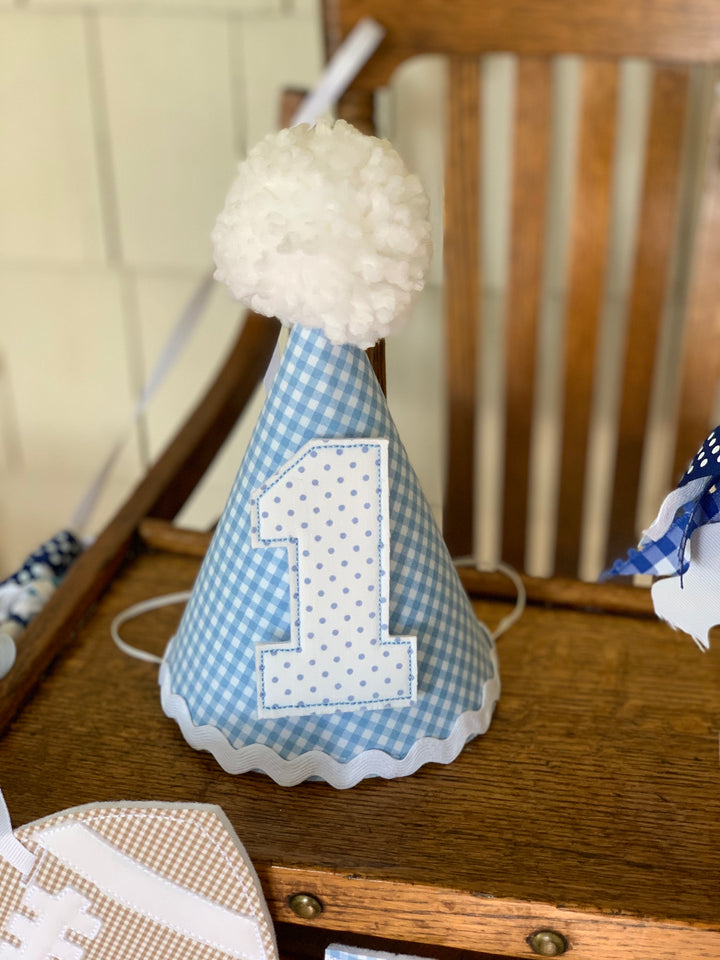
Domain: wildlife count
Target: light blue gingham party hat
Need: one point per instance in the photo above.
(237, 678)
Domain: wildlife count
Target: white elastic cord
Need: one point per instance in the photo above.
(145, 606)
(520, 601)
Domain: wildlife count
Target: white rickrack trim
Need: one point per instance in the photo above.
(316, 763)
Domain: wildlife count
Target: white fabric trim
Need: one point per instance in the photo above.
(693, 605)
(315, 763)
(670, 505)
(142, 890)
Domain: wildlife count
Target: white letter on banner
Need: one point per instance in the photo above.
(329, 505)
(44, 936)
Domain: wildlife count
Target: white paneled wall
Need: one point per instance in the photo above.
(66, 362)
(165, 87)
(49, 182)
(120, 127)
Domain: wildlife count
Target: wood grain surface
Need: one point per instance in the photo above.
(589, 239)
(701, 354)
(656, 232)
(461, 257)
(613, 597)
(530, 182)
(592, 804)
(662, 30)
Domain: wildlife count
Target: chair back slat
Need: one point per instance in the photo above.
(655, 237)
(530, 181)
(573, 255)
(462, 282)
(589, 239)
(698, 404)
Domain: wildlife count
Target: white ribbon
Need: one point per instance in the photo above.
(11, 850)
(342, 68)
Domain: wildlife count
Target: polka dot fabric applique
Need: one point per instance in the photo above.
(706, 462)
(247, 599)
(340, 654)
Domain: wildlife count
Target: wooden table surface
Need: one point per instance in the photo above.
(592, 805)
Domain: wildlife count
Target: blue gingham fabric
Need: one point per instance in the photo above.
(241, 595)
(664, 549)
(338, 952)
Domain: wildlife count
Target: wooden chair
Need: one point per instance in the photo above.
(588, 817)
(481, 29)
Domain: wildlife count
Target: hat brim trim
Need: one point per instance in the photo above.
(316, 764)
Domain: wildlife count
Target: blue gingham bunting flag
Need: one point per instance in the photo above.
(241, 596)
(336, 951)
(665, 547)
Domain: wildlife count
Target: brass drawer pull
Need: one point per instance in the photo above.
(547, 943)
(305, 906)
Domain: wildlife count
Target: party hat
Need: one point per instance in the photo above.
(328, 635)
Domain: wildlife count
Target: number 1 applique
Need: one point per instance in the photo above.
(329, 505)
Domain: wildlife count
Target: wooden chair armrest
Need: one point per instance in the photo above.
(161, 493)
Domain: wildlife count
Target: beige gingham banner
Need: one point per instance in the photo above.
(190, 853)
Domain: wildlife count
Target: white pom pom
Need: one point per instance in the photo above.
(324, 227)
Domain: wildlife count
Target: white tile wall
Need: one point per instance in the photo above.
(305, 8)
(199, 8)
(121, 123)
(265, 75)
(160, 301)
(49, 201)
(170, 119)
(205, 506)
(63, 344)
(64, 340)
